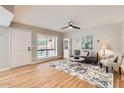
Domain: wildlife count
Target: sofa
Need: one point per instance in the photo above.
(91, 57)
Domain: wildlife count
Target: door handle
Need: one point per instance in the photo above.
(29, 49)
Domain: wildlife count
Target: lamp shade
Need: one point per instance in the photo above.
(104, 47)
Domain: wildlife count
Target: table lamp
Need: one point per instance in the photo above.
(104, 48)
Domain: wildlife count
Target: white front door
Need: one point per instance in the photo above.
(20, 48)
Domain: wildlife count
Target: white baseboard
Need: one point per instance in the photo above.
(48, 59)
(4, 69)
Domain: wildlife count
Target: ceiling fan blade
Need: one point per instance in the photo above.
(76, 27)
(65, 27)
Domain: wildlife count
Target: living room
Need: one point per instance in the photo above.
(103, 41)
(61, 44)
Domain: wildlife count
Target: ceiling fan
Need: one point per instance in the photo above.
(71, 25)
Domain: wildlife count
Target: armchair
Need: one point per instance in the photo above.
(115, 63)
(119, 64)
(122, 65)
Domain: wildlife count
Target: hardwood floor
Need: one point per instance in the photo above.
(41, 75)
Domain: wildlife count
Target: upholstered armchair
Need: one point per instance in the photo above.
(119, 65)
(115, 62)
(122, 64)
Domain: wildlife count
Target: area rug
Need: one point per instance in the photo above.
(92, 74)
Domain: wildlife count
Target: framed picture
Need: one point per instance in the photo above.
(87, 42)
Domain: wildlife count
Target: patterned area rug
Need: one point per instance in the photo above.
(92, 74)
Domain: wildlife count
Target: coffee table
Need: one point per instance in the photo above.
(72, 59)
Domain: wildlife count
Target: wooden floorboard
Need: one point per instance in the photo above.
(43, 76)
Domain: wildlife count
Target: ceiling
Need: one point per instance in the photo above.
(5, 17)
(56, 17)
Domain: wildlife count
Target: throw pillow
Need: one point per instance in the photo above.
(93, 54)
(84, 53)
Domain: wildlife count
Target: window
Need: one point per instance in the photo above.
(46, 46)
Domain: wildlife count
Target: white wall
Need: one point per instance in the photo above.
(4, 48)
(111, 34)
(122, 36)
(36, 30)
(4, 43)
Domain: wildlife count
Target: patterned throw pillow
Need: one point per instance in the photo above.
(113, 58)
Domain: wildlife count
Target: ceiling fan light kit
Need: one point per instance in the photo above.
(70, 26)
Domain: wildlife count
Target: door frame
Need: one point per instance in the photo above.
(10, 44)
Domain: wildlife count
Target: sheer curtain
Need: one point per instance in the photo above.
(46, 45)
